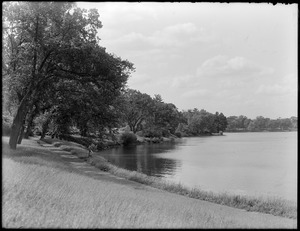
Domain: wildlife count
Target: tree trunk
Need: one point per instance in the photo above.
(131, 127)
(30, 123)
(19, 118)
(21, 134)
(17, 126)
(28, 129)
(136, 126)
(24, 104)
(83, 132)
(43, 136)
(45, 127)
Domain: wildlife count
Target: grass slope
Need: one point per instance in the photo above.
(41, 191)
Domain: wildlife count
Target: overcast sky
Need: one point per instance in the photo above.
(238, 58)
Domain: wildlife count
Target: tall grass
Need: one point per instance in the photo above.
(37, 196)
(271, 205)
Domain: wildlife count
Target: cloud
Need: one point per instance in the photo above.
(172, 35)
(129, 13)
(182, 81)
(285, 86)
(186, 28)
(221, 65)
(274, 89)
(222, 72)
(178, 35)
(197, 93)
(139, 78)
(290, 80)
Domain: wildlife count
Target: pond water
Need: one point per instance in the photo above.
(258, 163)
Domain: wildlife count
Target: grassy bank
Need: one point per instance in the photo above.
(40, 190)
(274, 206)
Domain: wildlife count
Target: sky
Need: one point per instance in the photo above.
(237, 58)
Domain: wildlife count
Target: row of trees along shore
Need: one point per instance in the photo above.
(243, 124)
(59, 80)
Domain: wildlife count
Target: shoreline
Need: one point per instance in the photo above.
(269, 205)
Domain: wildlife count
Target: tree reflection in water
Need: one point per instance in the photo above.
(142, 158)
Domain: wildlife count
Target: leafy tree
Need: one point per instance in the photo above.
(137, 108)
(232, 123)
(251, 126)
(165, 116)
(222, 122)
(242, 122)
(49, 42)
(261, 123)
(246, 123)
(200, 122)
(141, 112)
(237, 123)
(274, 125)
(294, 121)
(286, 124)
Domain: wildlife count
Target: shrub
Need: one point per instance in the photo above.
(165, 133)
(85, 141)
(178, 134)
(101, 145)
(128, 138)
(140, 133)
(151, 133)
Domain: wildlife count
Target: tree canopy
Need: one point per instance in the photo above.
(202, 122)
(55, 44)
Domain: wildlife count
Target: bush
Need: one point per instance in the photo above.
(101, 145)
(151, 133)
(140, 133)
(178, 134)
(165, 133)
(85, 141)
(128, 138)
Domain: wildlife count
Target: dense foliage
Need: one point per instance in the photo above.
(128, 138)
(242, 123)
(52, 57)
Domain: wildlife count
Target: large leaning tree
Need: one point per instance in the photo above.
(50, 43)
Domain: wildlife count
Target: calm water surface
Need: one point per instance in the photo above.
(262, 163)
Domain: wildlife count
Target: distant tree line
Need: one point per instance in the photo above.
(201, 122)
(260, 123)
(154, 118)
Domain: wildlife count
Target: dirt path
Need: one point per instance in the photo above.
(84, 168)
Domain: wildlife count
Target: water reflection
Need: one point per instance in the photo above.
(142, 158)
(252, 163)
